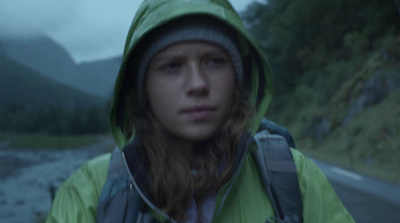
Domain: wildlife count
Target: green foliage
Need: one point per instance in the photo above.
(303, 36)
(390, 48)
(321, 44)
(355, 42)
(43, 141)
(372, 140)
(17, 118)
(32, 103)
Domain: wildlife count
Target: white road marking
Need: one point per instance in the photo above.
(346, 173)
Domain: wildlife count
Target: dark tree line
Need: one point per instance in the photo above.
(18, 118)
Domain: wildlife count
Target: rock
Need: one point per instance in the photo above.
(320, 128)
(375, 89)
(26, 189)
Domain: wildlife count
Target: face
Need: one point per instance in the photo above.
(190, 88)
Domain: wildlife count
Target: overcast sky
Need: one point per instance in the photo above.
(88, 29)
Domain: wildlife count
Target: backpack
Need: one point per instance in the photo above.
(278, 171)
(120, 202)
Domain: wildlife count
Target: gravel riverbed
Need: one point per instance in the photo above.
(27, 175)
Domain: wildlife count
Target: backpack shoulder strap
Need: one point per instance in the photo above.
(118, 202)
(279, 175)
(274, 128)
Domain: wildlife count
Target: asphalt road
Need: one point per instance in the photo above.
(368, 200)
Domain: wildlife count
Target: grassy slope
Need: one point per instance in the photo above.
(369, 143)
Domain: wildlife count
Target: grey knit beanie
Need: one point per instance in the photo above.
(191, 29)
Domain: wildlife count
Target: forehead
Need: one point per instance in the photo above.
(190, 48)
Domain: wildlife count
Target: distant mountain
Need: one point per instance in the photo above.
(20, 85)
(45, 56)
(99, 76)
(3, 50)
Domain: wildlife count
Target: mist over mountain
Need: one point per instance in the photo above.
(43, 55)
(47, 57)
(98, 77)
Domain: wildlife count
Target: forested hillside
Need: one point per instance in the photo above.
(336, 66)
(44, 55)
(20, 85)
(44, 91)
(33, 103)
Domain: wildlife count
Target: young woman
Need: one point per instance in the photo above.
(190, 96)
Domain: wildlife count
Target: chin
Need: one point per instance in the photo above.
(196, 137)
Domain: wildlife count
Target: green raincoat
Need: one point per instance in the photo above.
(243, 198)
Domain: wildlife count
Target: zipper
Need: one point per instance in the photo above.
(245, 153)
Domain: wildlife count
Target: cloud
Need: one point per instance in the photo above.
(100, 28)
(18, 17)
(88, 29)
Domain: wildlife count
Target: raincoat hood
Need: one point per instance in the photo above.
(155, 13)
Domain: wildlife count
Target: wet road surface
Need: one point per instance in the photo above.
(368, 200)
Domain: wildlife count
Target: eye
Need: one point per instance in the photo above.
(169, 67)
(217, 61)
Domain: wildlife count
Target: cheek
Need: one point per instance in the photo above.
(226, 88)
(155, 95)
(229, 96)
(161, 98)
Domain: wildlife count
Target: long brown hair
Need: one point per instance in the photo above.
(173, 184)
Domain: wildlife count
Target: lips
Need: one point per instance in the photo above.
(198, 113)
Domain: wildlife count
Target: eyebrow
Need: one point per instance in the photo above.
(161, 58)
(203, 52)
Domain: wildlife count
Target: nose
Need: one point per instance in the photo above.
(197, 83)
